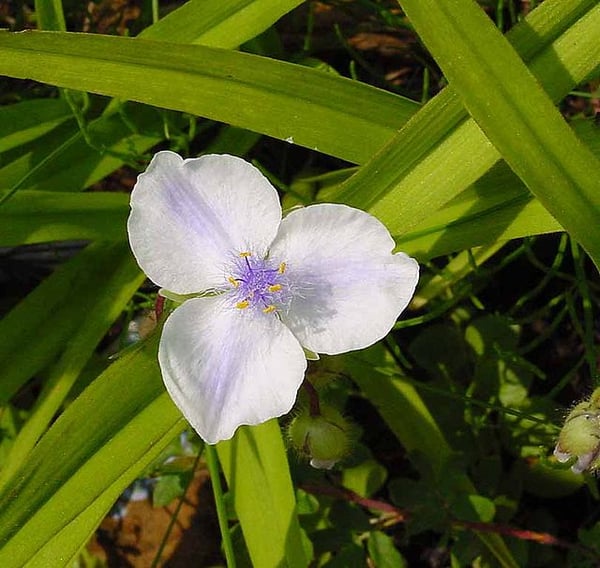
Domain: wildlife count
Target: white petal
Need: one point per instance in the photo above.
(347, 287)
(561, 457)
(189, 216)
(322, 464)
(225, 367)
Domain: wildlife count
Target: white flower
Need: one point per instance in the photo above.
(323, 278)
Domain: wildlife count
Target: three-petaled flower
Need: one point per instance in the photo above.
(260, 288)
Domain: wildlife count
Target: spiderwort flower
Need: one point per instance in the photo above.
(259, 288)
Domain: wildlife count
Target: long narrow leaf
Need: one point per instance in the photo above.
(79, 161)
(67, 162)
(59, 304)
(226, 23)
(22, 122)
(257, 471)
(426, 164)
(280, 99)
(44, 216)
(106, 438)
(120, 281)
(516, 115)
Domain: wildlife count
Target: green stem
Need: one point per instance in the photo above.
(175, 514)
(587, 307)
(215, 477)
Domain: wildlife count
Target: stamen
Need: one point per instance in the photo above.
(269, 309)
(242, 305)
(282, 267)
(274, 288)
(245, 254)
(233, 281)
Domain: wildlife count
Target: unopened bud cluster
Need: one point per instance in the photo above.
(324, 438)
(580, 436)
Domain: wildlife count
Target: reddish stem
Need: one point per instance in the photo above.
(314, 407)
(159, 306)
(402, 516)
(522, 534)
(349, 495)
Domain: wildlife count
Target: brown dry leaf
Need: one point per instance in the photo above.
(133, 541)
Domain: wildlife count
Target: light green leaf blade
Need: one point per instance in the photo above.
(280, 99)
(45, 216)
(382, 551)
(226, 23)
(106, 437)
(257, 471)
(120, 281)
(73, 164)
(425, 165)
(49, 15)
(516, 115)
(60, 303)
(25, 121)
(64, 161)
(498, 207)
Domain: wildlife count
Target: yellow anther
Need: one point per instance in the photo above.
(233, 281)
(269, 309)
(282, 267)
(245, 254)
(274, 288)
(242, 305)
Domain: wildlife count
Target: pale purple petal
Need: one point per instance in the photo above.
(225, 367)
(562, 457)
(189, 216)
(347, 288)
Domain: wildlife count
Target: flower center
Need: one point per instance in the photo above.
(258, 283)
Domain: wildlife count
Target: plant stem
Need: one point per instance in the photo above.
(175, 514)
(213, 468)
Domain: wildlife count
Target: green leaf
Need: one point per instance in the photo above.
(423, 167)
(59, 304)
(167, 488)
(440, 350)
(77, 162)
(366, 478)
(509, 105)
(345, 515)
(120, 280)
(404, 411)
(349, 555)
(306, 504)
(473, 508)
(226, 23)
(399, 404)
(279, 99)
(67, 162)
(256, 468)
(43, 216)
(382, 551)
(496, 208)
(106, 438)
(49, 15)
(25, 121)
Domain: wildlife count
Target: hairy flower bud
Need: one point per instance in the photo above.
(324, 439)
(580, 436)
